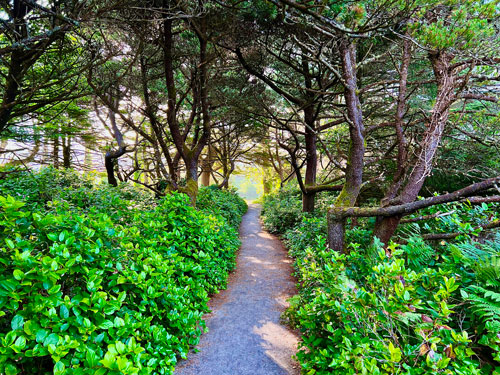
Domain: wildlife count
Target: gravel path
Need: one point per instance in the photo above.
(245, 335)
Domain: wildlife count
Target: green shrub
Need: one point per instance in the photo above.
(40, 190)
(117, 288)
(396, 321)
(225, 203)
(429, 308)
(303, 234)
(282, 210)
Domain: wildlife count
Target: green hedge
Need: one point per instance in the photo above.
(102, 280)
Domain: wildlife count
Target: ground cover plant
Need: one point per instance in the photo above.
(89, 286)
(430, 307)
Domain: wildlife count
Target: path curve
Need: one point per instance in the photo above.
(245, 335)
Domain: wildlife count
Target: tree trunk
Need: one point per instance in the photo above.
(112, 156)
(446, 80)
(66, 152)
(14, 76)
(399, 123)
(206, 167)
(308, 198)
(336, 232)
(191, 188)
(355, 162)
(189, 154)
(55, 151)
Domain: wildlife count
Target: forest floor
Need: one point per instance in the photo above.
(245, 334)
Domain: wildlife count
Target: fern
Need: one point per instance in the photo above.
(485, 304)
(418, 253)
(488, 270)
(483, 259)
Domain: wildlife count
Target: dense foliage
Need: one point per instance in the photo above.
(427, 308)
(222, 202)
(102, 280)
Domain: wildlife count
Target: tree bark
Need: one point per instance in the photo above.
(55, 151)
(399, 123)
(308, 198)
(112, 156)
(355, 162)
(410, 207)
(446, 80)
(66, 151)
(207, 167)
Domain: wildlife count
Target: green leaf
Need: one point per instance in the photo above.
(406, 295)
(41, 335)
(9, 285)
(122, 296)
(18, 274)
(92, 359)
(63, 312)
(107, 324)
(59, 368)
(120, 347)
(54, 289)
(10, 243)
(51, 339)
(29, 327)
(119, 322)
(20, 343)
(109, 361)
(17, 322)
(11, 370)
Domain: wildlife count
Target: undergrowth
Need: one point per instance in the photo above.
(432, 307)
(102, 280)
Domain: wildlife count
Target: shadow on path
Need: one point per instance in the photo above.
(245, 335)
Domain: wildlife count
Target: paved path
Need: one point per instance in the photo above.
(245, 335)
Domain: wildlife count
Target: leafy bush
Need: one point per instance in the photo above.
(225, 203)
(395, 321)
(112, 289)
(304, 234)
(40, 190)
(429, 308)
(282, 210)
